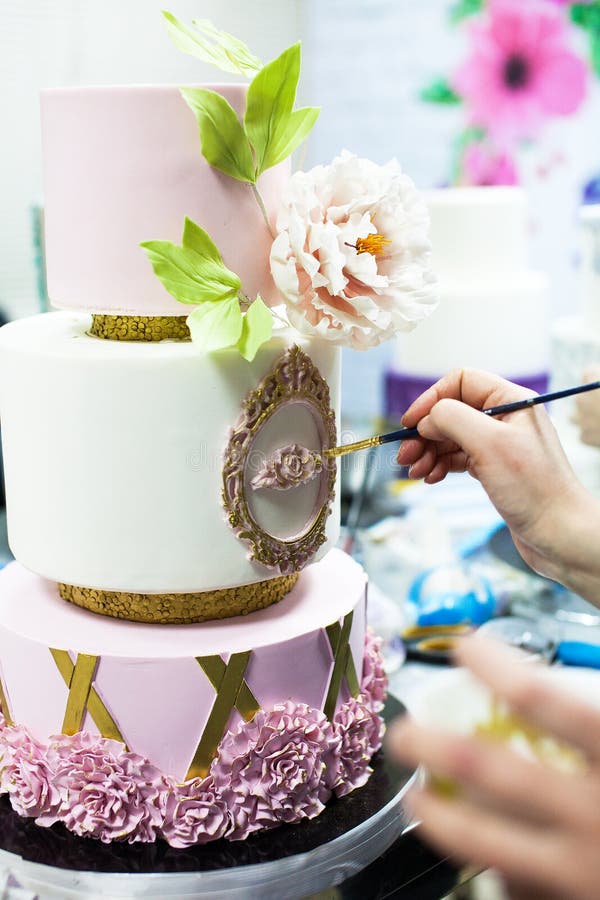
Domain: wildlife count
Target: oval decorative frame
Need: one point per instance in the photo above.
(295, 379)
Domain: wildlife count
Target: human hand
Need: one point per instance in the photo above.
(539, 827)
(587, 410)
(519, 461)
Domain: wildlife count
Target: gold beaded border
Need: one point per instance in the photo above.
(180, 609)
(140, 328)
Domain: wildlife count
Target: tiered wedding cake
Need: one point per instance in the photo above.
(182, 653)
(493, 309)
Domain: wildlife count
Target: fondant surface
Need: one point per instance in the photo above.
(114, 452)
(150, 679)
(123, 165)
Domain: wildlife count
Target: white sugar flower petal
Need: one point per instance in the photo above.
(352, 255)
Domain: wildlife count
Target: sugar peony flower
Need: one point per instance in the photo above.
(360, 730)
(106, 792)
(26, 776)
(276, 768)
(484, 167)
(521, 70)
(194, 814)
(352, 256)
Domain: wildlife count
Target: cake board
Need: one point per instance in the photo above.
(293, 861)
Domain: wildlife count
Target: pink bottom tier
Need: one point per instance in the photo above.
(124, 731)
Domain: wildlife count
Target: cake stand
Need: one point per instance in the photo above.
(293, 861)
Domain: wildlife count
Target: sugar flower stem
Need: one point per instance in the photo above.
(245, 301)
(263, 208)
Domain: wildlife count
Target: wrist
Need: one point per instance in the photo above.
(571, 551)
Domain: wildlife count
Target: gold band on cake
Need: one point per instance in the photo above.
(181, 609)
(140, 328)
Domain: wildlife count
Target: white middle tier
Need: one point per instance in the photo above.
(113, 456)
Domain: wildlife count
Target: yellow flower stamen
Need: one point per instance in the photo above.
(372, 243)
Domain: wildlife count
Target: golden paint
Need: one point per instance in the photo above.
(295, 379)
(214, 668)
(96, 708)
(181, 609)
(140, 328)
(342, 450)
(227, 698)
(4, 704)
(343, 665)
(79, 691)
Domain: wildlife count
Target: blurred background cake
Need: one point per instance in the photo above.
(494, 309)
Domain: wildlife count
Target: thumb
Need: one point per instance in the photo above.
(458, 422)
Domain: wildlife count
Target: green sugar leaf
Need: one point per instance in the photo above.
(290, 135)
(199, 240)
(439, 91)
(257, 329)
(214, 326)
(188, 276)
(224, 143)
(269, 121)
(204, 41)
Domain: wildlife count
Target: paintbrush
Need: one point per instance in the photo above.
(403, 434)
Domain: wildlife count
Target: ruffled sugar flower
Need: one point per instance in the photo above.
(194, 814)
(106, 792)
(520, 70)
(360, 730)
(277, 768)
(374, 680)
(287, 468)
(352, 257)
(26, 776)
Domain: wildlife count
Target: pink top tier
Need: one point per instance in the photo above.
(124, 165)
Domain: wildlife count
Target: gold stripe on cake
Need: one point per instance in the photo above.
(343, 664)
(181, 609)
(105, 723)
(228, 688)
(82, 677)
(4, 708)
(140, 328)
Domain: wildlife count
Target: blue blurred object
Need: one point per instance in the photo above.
(591, 190)
(451, 595)
(577, 653)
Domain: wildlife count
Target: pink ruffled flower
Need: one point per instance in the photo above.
(521, 70)
(352, 256)
(106, 792)
(26, 776)
(288, 467)
(485, 167)
(374, 680)
(277, 768)
(194, 814)
(360, 730)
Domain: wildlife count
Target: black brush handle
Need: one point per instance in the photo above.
(404, 433)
